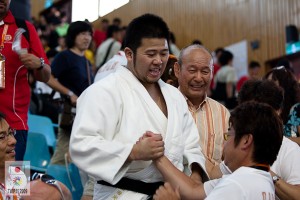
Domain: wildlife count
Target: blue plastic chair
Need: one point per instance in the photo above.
(70, 178)
(37, 152)
(43, 125)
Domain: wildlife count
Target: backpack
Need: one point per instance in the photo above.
(21, 23)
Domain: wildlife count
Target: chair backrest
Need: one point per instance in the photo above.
(37, 152)
(72, 180)
(43, 125)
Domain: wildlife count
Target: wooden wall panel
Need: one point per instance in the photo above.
(36, 7)
(222, 22)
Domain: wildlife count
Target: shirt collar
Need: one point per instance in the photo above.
(191, 105)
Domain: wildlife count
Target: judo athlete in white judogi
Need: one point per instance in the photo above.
(116, 111)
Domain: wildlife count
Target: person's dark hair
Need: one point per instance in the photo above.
(117, 21)
(263, 91)
(145, 26)
(290, 86)
(286, 63)
(74, 29)
(172, 38)
(111, 30)
(225, 58)
(197, 42)
(218, 50)
(254, 64)
(2, 116)
(261, 121)
(104, 20)
(51, 53)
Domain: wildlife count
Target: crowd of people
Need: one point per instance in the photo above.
(142, 123)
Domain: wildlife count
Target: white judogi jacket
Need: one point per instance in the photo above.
(113, 113)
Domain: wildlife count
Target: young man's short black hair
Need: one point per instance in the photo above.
(74, 29)
(225, 57)
(253, 64)
(111, 30)
(263, 123)
(104, 20)
(145, 26)
(219, 50)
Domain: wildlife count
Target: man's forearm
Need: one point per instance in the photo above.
(188, 188)
(43, 74)
(286, 191)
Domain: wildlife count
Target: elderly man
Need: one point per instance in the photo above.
(194, 71)
(39, 189)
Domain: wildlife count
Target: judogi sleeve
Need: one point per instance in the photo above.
(92, 144)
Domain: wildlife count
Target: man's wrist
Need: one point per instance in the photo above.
(42, 64)
(70, 93)
(275, 179)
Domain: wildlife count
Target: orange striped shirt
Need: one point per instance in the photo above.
(211, 119)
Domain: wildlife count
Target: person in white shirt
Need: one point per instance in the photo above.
(285, 170)
(109, 47)
(251, 146)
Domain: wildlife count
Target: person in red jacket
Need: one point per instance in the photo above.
(253, 71)
(15, 96)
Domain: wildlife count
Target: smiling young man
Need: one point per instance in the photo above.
(194, 71)
(117, 110)
(39, 189)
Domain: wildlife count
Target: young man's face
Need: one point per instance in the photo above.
(83, 40)
(149, 61)
(195, 73)
(254, 72)
(7, 144)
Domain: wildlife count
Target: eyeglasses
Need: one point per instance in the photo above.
(5, 134)
(50, 180)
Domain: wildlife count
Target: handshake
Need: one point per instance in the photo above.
(149, 147)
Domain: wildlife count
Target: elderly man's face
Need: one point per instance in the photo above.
(7, 143)
(195, 74)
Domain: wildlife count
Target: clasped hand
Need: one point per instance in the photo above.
(149, 147)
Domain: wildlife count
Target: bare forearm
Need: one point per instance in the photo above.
(295, 139)
(57, 86)
(229, 90)
(286, 191)
(43, 74)
(213, 171)
(187, 187)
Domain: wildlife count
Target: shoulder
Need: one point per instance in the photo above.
(216, 104)
(62, 55)
(289, 145)
(109, 81)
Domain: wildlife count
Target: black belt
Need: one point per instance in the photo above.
(135, 185)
